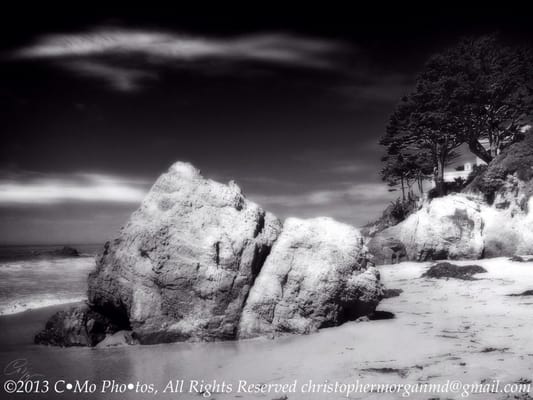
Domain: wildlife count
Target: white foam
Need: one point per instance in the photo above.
(18, 306)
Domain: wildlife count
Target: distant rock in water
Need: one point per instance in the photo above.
(446, 270)
(316, 276)
(65, 251)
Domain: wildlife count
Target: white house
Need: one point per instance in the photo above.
(464, 167)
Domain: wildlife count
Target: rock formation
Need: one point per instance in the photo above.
(182, 268)
(446, 270)
(493, 217)
(79, 326)
(183, 265)
(316, 276)
(386, 249)
(447, 227)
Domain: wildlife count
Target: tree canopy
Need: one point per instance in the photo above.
(477, 93)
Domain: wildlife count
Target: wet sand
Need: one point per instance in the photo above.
(443, 329)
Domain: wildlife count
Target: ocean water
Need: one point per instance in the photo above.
(34, 277)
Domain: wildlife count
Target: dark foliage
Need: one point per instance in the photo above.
(515, 160)
(395, 213)
(478, 93)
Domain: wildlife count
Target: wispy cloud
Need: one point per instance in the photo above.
(109, 48)
(80, 187)
(355, 193)
(122, 79)
(356, 203)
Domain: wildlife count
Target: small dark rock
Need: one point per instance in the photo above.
(388, 293)
(67, 251)
(379, 315)
(521, 258)
(446, 270)
(526, 293)
(493, 349)
(79, 326)
(402, 372)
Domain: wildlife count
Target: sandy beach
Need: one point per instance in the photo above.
(470, 331)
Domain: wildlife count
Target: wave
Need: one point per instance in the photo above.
(21, 305)
(32, 284)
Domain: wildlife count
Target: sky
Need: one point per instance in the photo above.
(95, 107)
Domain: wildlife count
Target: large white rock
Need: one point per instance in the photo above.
(315, 276)
(461, 226)
(182, 267)
(447, 227)
(509, 221)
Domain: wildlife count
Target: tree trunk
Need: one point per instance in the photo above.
(403, 189)
(439, 179)
(476, 148)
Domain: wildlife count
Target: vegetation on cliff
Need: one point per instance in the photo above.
(478, 93)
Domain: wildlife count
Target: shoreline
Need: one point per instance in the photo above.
(20, 328)
(446, 318)
(15, 309)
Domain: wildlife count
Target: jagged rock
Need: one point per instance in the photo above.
(445, 270)
(79, 326)
(182, 267)
(387, 250)
(316, 276)
(120, 338)
(507, 186)
(509, 231)
(447, 227)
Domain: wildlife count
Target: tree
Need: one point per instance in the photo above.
(487, 89)
(479, 92)
(419, 131)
